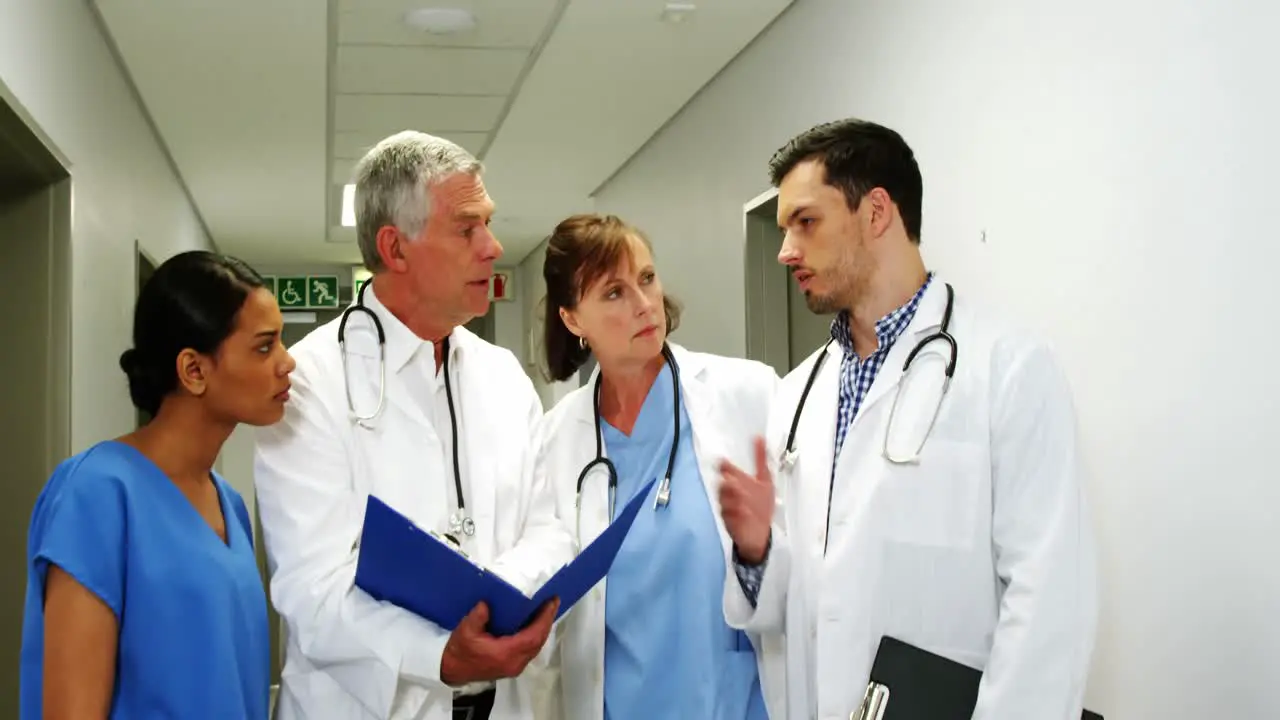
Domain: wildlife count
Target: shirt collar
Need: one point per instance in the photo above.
(403, 345)
(888, 328)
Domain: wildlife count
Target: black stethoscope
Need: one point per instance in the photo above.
(664, 487)
(460, 523)
(789, 454)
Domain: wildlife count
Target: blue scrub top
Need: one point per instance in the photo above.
(191, 609)
(668, 651)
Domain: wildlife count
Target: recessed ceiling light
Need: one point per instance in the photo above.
(441, 21)
(674, 12)
(348, 205)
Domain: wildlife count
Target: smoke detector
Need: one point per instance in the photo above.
(441, 21)
(676, 12)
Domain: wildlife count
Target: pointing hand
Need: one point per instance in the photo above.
(746, 504)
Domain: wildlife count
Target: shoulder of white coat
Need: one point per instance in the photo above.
(1012, 349)
(317, 348)
(738, 376)
(495, 359)
(744, 389)
(569, 408)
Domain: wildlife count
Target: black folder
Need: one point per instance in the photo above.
(908, 683)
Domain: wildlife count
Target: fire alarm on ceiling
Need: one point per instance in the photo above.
(441, 21)
(674, 12)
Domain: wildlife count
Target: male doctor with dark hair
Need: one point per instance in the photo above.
(946, 513)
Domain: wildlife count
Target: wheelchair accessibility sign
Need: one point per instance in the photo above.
(305, 292)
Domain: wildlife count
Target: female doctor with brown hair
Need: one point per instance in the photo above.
(651, 639)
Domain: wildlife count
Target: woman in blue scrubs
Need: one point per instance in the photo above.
(143, 593)
(651, 641)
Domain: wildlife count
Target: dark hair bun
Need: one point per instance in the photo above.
(145, 390)
(129, 361)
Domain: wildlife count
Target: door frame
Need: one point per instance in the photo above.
(53, 168)
(41, 181)
(765, 285)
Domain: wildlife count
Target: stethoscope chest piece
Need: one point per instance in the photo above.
(788, 459)
(462, 524)
(663, 495)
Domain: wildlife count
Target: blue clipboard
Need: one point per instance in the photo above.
(406, 566)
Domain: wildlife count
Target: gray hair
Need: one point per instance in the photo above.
(391, 185)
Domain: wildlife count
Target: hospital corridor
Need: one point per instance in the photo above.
(613, 359)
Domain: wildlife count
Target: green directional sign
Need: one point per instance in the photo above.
(304, 292)
(322, 291)
(291, 292)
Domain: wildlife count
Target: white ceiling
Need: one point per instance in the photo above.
(265, 106)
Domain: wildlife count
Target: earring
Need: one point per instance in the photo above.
(582, 343)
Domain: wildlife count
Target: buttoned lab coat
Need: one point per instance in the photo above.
(727, 401)
(347, 655)
(982, 552)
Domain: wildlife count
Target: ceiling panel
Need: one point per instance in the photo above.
(446, 71)
(498, 24)
(246, 127)
(444, 112)
(629, 94)
(299, 111)
(472, 5)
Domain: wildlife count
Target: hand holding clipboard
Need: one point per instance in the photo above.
(409, 567)
(908, 683)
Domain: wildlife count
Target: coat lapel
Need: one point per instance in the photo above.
(815, 447)
(591, 506)
(471, 399)
(708, 445)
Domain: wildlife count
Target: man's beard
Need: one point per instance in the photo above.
(848, 280)
(822, 304)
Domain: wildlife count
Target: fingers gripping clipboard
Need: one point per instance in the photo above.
(908, 683)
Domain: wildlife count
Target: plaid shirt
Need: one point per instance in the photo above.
(856, 377)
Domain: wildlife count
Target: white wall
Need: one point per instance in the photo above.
(57, 66)
(509, 318)
(1121, 156)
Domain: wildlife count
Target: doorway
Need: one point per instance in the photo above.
(35, 357)
(781, 330)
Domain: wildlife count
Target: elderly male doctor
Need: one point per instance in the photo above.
(978, 546)
(441, 433)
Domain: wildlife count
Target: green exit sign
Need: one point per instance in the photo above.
(305, 292)
(322, 291)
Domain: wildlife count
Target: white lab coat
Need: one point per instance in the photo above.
(727, 401)
(982, 553)
(347, 655)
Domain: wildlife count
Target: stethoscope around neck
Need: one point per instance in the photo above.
(460, 522)
(789, 453)
(663, 495)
